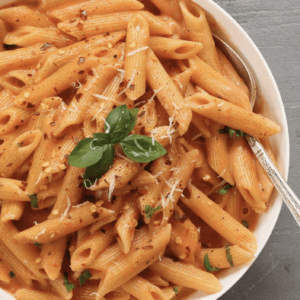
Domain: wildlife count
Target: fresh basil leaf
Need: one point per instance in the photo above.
(34, 200)
(225, 189)
(134, 112)
(69, 286)
(85, 275)
(84, 155)
(101, 138)
(245, 223)
(119, 123)
(11, 274)
(149, 210)
(141, 148)
(208, 266)
(94, 172)
(232, 132)
(229, 256)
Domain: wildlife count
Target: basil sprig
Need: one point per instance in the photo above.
(97, 154)
(232, 132)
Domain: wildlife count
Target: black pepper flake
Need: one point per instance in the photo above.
(66, 156)
(102, 230)
(83, 14)
(45, 46)
(96, 215)
(29, 105)
(113, 199)
(115, 56)
(180, 218)
(132, 87)
(81, 60)
(141, 114)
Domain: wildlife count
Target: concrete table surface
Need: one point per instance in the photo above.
(274, 27)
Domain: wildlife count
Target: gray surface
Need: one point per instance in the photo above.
(274, 26)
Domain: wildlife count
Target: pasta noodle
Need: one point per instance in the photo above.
(122, 147)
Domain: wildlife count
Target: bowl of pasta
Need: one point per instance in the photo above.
(124, 168)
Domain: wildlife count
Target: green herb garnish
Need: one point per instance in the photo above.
(97, 154)
(245, 223)
(208, 266)
(11, 274)
(175, 289)
(69, 286)
(225, 189)
(11, 47)
(34, 200)
(232, 132)
(38, 244)
(229, 256)
(149, 210)
(85, 275)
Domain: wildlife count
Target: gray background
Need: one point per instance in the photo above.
(274, 26)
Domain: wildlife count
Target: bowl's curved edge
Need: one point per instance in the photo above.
(215, 12)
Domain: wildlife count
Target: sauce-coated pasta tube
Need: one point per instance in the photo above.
(96, 7)
(137, 45)
(232, 115)
(218, 219)
(187, 275)
(167, 93)
(53, 229)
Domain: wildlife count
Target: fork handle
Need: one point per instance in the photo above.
(289, 197)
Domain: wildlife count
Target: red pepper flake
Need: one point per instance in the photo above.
(81, 72)
(45, 46)
(91, 72)
(81, 60)
(79, 26)
(83, 14)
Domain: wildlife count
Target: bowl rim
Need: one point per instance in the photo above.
(212, 8)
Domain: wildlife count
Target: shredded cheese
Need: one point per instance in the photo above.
(137, 51)
(42, 232)
(66, 210)
(111, 188)
(197, 136)
(129, 83)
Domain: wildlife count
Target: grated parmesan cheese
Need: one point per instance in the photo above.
(66, 210)
(42, 232)
(111, 188)
(196, 136)
(137, 51)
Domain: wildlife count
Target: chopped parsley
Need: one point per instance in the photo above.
(208, 266)
(34, 200)
(84, 277)
(11, 274)
(149, 210)
(175, 289)
(245, 223)
(232, 132)
(225, 189)
(37, 244)
(229, 256)
(69, 285)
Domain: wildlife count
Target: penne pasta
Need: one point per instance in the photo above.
(232, 115)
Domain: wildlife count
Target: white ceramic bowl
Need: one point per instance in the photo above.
(230, 31)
